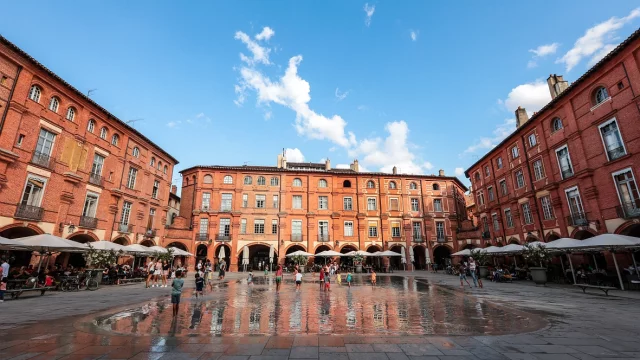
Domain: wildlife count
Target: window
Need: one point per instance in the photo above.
(628, 193)
(33, 191)
(514, 152)
(480, 196)
(323, 202)
(508, 218)
(322, 183)
(393, 204)
(413, 186)
(519, 179)
(297, 202)
(347, 203)
(260, 201)
(243, 226)
(245, 200)
(153, 162)
(115, 139)
(526, 213)
(262, 180)
(20, 140)
(126, 211)
(296, 228)
(90, 205)
(556, 124)
(297, 182)
(275, 181)
(227, 180)
(156, 186)
(487, 172)
(248, 180)
(538, 170)
(91, 125)
(439, 230)
(207, 179)
(54, 103)
(371, 204)
(612, 140)
(392, 185)
(490, 193)
(373, 230)
(160, 166)
(131, 179)
(348, 228)
(416, 231)
(437, 205)
(152, 214)
(532, 140)
(477, 176)
(206, 200)
(503, 187)
(575, 206)
(103, 133)
(275, 201)
(225, 203)
(436, 187)
(135, 152)
(564, 161)
(395, 229)
(346, 184)
(323, 230)
(415, 204)
(45, 143)
(165, 169)
(96, 167)
(600, 95)
(547, 209)
(204, 228)
(71, 114)
(499, 162)
(485, 225)
(225, 228)
(371, 184)
(34, 93)
(496, 224)
(274, 226)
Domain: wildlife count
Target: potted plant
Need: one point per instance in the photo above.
(357, 261)
(482, 258)
(539, 256)
(300, 260)
(98, 260)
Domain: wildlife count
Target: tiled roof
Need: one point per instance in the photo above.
(580, 80)
(83, 96)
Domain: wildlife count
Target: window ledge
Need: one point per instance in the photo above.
(626, 156)
(600, 104)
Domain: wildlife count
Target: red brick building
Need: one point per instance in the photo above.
(570, 170)
(69, 167)
(312, 207)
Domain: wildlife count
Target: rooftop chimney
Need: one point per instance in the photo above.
(521, 116)
(441, 172)
(395, 170)
(174, 189)
(354, 166)
(556, 85)
(327, 164)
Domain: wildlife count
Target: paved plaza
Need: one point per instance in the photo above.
(412, 315)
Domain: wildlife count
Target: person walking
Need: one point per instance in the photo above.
(151, 268)
(278, 277)
(199, 285)
(5, 267)
(463, 274)
(165, 272)
(322, 278)
(222, 269)
(327, 281)
(473, 269)
(298, 280)
(157, 273)
(176, 292)
(349, 278)
(373, 277)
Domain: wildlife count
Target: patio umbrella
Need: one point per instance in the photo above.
(222, 254)
(179, 252)
(387, 253)
(357, 252)
(9, 244)
(48, 243)
(271, 253)
(329, 253)
(158, 249)
(107, 245)
(564, 244)
(299, 252)
(404, 255)
(139, 249)
(465, 252)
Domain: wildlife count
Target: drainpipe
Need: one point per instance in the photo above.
(526, 158)
(6, 108)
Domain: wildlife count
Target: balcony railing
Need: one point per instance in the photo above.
(29, 212)
(417, 238)
(41, 159)
(125, 228)
(324, 237)
(202, 236)
(297, 237)
(566, 172)
(616, 153)
(225, 209)
(223, 237)
(88, 222)
(96, 179)
(150, 233)
(578, 219)
(629, 210)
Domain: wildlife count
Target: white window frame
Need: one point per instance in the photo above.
(297, 182)
(228, 179)
(206, 200)
(528, 220)
(48, 138)
(415, 204)
(499, 162)
(34, 93)
(487, 171)
(135, 152)
(547, 208)
(39, 200)
(323, 230)
(276, 201)
(480, 197)
(54, 104)
(566, 193)
(258, 226)
(372, 231)
(518, 185)
(322, 183)
(538, 171)
(392, 185)
(344, 203)
(393, 234)
(573, 170)
(225, 227)
(556, 120)
(615, 184)
(375, 204)
(348, 225)
(243, 226)
(261, 181)
(132, 177)
(515, 153)
(156, 189)
(397, 202)
(248, 180)
(245, 200)
(115, 139)
(323, 203)
(295, 229)
(604, 143)
(71, 113)
(203, 228)
(91, 125)
(490, 194)
(274, 181)
(508, 217)
(437, 208)
(440, 231)
(261, 201)
(504, 190)
(413, 186)
(293, 202)
(91, 214)
(274, 226)
(533, 141)
(124, 220)
(226, 204)
(496, 223)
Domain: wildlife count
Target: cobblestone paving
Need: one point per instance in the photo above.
(581, 326)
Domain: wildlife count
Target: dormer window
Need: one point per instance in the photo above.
(556, 124)
(71, 114)
(91, 125)
(103, 133)
(371, 184)
(413, 186)
(392, 184)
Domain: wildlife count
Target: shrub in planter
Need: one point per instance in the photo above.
(300, 260)
(482, 258)
(357, 261)
(538, 256)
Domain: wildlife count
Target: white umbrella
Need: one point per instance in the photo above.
(47, 243)
(403, 254)
(138, 249)
(508, 249)
(299, 252)
(245, 255)
(159, 249)
(271, 253)
(564, 244)
(465, 252)
(356, 253)
(222, 254)
(8, 244)
(107, 245)
(610, 241)
(329, 253)
(179, 252)
(387, 253)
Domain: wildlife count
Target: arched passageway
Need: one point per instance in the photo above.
(75, 259)
(419, 257)
(373, 260)
(121, 241)
(201, 253)
(321, 260)
(583, 235)
(469, 246)
(347, 260)
(396, 261)
(221, 250)
(552, 237)
(258, 257)
(442, 256)
(287, 260)
(19, 258)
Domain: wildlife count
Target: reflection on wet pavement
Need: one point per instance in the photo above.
(397, 306)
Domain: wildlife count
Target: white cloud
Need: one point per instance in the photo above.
(260, 54)
(499, 133)
(341, 96)
(369, 10)
(267, 115)
(343, 166)
(544, 50)
(459, 171)
(531, 96)
(595, 39)
(532, 64)
(427, 165)
(414, 35)
(293, 155)
(173, 124)
(362, 107)
(266, 34)
(200, 118)
(600, 54)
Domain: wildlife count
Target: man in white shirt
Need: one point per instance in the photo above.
(472, 270)
(5, 268)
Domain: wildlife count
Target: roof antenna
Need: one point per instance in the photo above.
(133, 121)
(90, 91)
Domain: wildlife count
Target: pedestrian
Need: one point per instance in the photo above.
(298, 280)
(199, 285)
(473, 269)
(349, 278)
(462, 269)
(373, 277)
(150, 270)
(222, 269)
(250, 278)
(5, 267)
(209, 276)
(327, 281)
(278, 277)
(165, 272)
(3, 283)
(338, 278)
(321, 278)
(157, 271)
(176, 291)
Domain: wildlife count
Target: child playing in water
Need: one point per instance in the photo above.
(339, 278)
(349, 278)
(298, 280)
(373, 277)
(250, 278)
(176, 291)
(199, 285)
(327, 281)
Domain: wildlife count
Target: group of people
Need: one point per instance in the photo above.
(471, 267)
(160, 271)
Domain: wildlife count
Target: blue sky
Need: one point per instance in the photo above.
(416, 84)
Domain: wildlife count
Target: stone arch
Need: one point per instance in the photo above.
(552, 236)
(147, 242)
(227, 255)
(442, 255)
(396, 261)
(514, 241)
(629, 228)
(581, 234)
(469, 246)
(327, 246)
(372, 249)
(419, 257)
(294, 247)
(17, 230)
(348, 248)
(258, 255)
(531, 238)
(377, 248)
(81, 236)
(178, 244)
(123, 236)
(121, 240)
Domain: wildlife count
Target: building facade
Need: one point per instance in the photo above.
(312, 207)
(570, 170)
(70, 168)
(174, 206)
